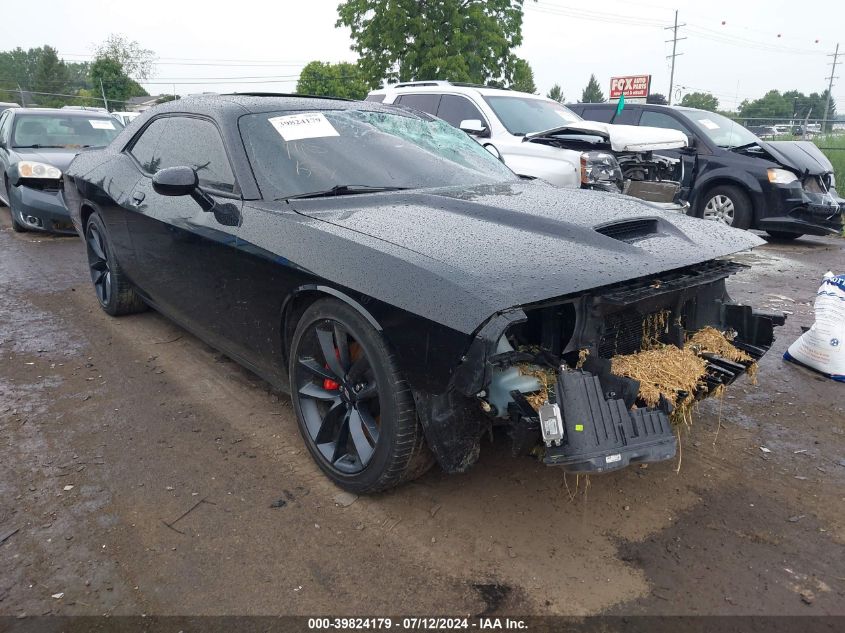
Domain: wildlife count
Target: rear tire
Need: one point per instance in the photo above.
(784, 235)
(728, 204)
(353, 407)
(114, 292)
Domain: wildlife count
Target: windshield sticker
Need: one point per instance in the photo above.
(293, 127)
(708, 124)
(100, 124)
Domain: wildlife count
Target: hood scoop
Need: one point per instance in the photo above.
(629, 230)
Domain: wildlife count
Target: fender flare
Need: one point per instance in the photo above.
(284, 314)
(337, 294)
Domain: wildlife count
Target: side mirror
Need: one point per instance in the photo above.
(474, 127)
(182, 181)
(175, 181)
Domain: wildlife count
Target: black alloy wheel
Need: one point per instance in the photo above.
(98, 265)
(114, 292)
(338, 397)
(354, 410)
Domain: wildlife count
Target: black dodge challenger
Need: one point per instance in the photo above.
(402, 284)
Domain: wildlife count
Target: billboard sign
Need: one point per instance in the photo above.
(635, 87)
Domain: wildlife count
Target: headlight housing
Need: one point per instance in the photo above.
(31, 169)
(601, 170)
(781, 176)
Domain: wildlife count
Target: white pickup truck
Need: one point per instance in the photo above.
(539, 138)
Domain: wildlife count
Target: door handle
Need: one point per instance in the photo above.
(138, 198)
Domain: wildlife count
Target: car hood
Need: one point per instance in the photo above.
(622, 138)
(57, 157)
(802, 156)
(458, 256)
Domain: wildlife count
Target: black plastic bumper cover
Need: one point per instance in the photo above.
(601, 434)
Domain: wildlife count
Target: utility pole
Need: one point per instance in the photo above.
(103, 92)
(830, 85)
(675, 39)
(23, 101)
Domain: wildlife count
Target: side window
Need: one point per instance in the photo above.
(454, 109)
(177, 141)
(659, 119)
(598, 114)
(628, 116)
(147, 148)
(426, 103)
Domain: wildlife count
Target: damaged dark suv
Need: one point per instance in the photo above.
(786, 188)
(408, 289)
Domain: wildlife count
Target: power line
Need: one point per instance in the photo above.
(696, 29)
(675, 39)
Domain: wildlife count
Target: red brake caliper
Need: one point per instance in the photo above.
(328, 383)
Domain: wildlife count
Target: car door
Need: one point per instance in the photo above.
(183, 259)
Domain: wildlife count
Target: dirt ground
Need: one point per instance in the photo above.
(141, 472)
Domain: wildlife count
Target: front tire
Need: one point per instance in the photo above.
(728, 204)
(114, 292)
(17, 227)
(354, 409)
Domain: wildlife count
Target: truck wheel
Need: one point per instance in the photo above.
(727, 204)
(353, 407)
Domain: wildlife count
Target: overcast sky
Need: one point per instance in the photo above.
(735, 50)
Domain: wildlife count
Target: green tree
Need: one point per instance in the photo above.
(700, 100)
(459, 40)
(657, 99)
(78, 75)
(17, 68)
(323, 79)
(87, 97)
(50, 76)
(116, 84)
(523, 77)
(135, 60)
(592, 92)
(556, 94)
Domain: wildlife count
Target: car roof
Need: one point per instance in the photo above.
(450, 86)
(226, 105)
(68, 112)
(656, 106)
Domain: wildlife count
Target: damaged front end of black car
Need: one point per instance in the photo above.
(590, 419)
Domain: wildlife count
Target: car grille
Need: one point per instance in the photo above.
(43, 184)
(623, 333)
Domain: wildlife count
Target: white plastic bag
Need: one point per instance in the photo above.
(822, 347)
